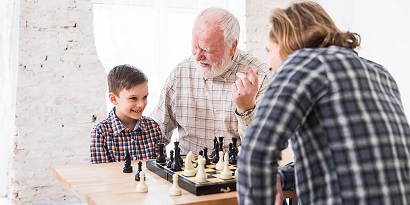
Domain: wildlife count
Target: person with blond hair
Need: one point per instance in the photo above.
(343, 114)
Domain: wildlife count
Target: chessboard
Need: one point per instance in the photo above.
(213, 185)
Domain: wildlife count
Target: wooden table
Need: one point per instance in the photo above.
(107, 184)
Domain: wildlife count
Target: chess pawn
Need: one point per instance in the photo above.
(189, 170)
(142, 186)
(226, 173)
(220, 165)
(175, 189)
(171, 158)
(201, 175)
(137, 174)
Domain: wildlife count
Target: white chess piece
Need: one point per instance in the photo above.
(201, 175)
(175, 189)
(189, 169)
(236, 173)
(226, 173)
(142, 186)
(220, 165)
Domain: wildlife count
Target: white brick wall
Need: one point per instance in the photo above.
(8, 78)
(61, 85)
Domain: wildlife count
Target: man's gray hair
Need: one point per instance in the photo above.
(229, 24)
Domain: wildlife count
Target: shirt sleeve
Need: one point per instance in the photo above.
(162, 114)
(98, 147)
(287, 176)
(245, 121)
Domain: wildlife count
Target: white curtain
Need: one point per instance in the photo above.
(152, 35)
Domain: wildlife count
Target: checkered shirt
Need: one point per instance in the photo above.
(204, 108)
(110, 140)
(349, 133)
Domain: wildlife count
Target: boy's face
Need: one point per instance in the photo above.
(130, 103)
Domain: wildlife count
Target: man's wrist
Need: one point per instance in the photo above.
(246, 113)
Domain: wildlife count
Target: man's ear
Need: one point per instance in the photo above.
(233, 49)
(113, 98)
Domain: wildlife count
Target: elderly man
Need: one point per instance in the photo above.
(215, 91)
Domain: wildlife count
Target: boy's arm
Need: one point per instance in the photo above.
(99, 152)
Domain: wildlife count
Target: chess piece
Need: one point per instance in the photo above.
(234, 145)
(137, 174)
(181, 161)
(213, 153)
(176, 165)
(221, 143)
(230, 150)
(220, 164)
(175, 189)
(127, 163)
(161, 158)
(236, 173)
(226, 173)
(142, 186)
(207, 160)
(233, 159)
(189, 170)
(201, 154)
(233, 154)
(171, 158)
(215, 158)
(201, 175)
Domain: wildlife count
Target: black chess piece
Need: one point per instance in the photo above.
(137, 174)
(171, 158)
(215, 158)
(181, 161)
(201, 153)
(234, 145)
(221, 143)
(230, 150)
(161, 158)
(127, 163)
(215, 145)
(207, 160)
(233, 156)
(176, 165)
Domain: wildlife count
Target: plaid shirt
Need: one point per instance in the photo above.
(110, 140)
(204, 108)
(348, 129)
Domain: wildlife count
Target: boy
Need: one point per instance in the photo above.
(125, 129)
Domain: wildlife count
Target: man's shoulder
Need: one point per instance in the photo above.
(244, 58)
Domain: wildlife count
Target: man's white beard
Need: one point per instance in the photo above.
(214, 71)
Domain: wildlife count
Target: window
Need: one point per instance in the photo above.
(151, 35)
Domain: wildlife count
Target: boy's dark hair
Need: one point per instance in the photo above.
(124, 77)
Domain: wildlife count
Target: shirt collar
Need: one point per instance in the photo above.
(118, 126)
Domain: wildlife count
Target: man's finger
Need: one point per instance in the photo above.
(252, 75)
